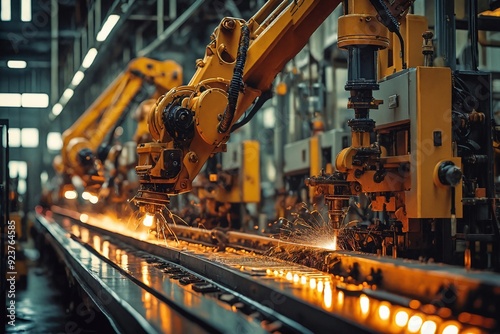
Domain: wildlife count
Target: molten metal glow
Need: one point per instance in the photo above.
(320, 286)
(450, 329)
(414, 323)
(364, 303)
(312, 283)
(401, 318)
(384, 312)
(327, 297)
(428, 327)
(148, 220)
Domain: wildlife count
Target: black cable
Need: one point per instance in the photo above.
(390, 22)
(256, 107)
(236, 84)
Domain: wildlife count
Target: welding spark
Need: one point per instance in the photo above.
(308, 227)
(156, 224)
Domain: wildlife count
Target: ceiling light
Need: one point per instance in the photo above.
(89, 58)
(57, 108)
(26, 10)
(5, 14)
(34, 100)
(77, 78)
(68, 93)
(107, 27)
(16, 64)
(10, 100)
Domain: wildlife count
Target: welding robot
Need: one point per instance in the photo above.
(91, 160)
(422, 162)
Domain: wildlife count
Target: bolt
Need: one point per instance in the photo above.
(228, 24)
(200, 63)
(193, 158)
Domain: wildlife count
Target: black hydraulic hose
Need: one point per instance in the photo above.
(236, 84)
(390, 22)
(256, 107)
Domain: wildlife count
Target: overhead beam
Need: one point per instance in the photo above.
(171, 29)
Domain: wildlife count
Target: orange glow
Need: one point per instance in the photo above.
(428, 327)
(320, 286)
(296, 278)
(145, 273)
(105, 248)
(85, 235)
(414, 324)
(364, 303)
(312, 283)
(340, 299)
(124, 260)
(289, 276)
(327, 296)
(70, 194)
(97, 243)
(384, 312)
(401, 318)
(303, 280)
(75, 229)
(84, 218)
(450, 329)
(148, 220)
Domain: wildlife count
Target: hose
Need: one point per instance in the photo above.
(236, 84)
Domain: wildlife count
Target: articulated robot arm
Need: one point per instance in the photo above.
(192, 122)
(82, 140)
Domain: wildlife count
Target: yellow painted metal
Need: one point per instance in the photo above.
(426, 199)
(360, 26)
(246, 183)
(315, 162)
(389, 60)
(92, 127)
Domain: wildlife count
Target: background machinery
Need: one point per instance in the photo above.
(408, 239)
(90, 143)
(427, 178)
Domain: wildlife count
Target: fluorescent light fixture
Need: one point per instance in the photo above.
(5, 12)
(89, 58)
(68, 93)
(26, 10)
(56, 109)
(16, 64)
(107, 27)
(18, 168)
(54, 141)
(14, 137)
(21, 187)
(29, 137)
(10, 100)
(77, 78)
(35, 100)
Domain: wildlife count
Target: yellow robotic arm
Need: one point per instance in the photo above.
(192, 122)
(82, 139)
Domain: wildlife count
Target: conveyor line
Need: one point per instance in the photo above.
(286, 289)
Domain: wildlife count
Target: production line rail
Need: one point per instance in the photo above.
(197, 286)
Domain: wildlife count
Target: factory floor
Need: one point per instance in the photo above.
(48, 304)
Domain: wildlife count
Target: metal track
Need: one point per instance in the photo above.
(345, 298)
